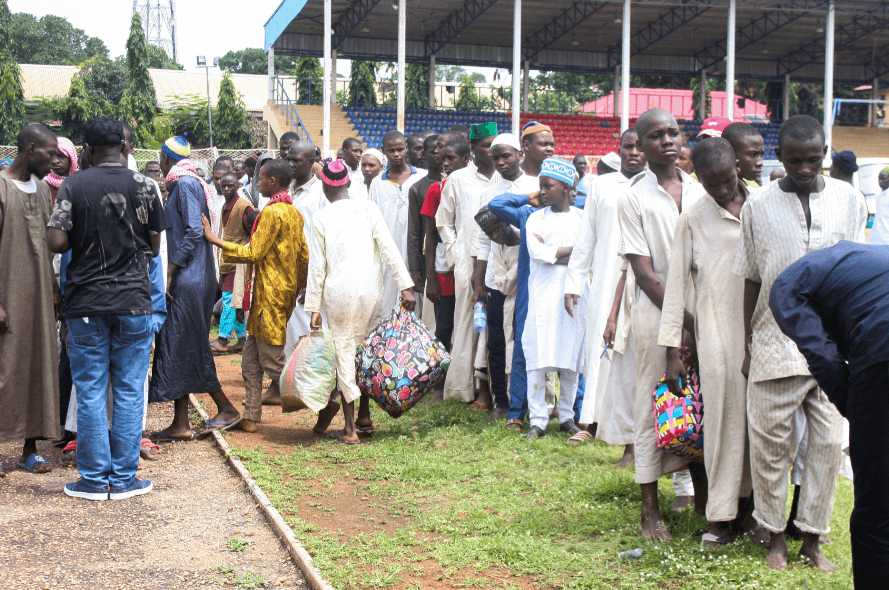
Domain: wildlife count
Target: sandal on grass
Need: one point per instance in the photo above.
(477, 405)
(569, 427)
(35, 463)
(514, 424)
(580, 437)
(535, 432)
(365, 429)
(339, 435)
(711, 540)
(149, 450)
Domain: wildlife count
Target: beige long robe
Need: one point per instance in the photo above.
(704, 249)
(648, 216)
(29, 362)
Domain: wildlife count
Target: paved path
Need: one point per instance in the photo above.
(174, 537)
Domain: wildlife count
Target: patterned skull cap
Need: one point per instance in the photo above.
(480, 130)
(559, 169)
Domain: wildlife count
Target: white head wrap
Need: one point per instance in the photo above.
(612, 160)
(376, 154)
(507, 139)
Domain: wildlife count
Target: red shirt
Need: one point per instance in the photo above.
(433, 199)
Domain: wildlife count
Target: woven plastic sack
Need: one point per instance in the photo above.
(679, 421)
(399, 362)
(310, 373)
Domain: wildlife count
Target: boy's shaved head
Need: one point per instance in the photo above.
(460, 147)
(393, 135)
(711, 152)
(800, 128)
(651, 117)
(736, 132)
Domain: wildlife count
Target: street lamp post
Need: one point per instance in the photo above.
(202, 62)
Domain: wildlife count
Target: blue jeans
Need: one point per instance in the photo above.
(115, 349)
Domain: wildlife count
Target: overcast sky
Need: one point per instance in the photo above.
(203, 28)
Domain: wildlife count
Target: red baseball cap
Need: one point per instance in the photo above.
(714, 126)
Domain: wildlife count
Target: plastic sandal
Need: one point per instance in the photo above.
(32, 460)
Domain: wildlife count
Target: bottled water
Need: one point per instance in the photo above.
(480, 317)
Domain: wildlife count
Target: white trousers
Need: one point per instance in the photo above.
(537, 406)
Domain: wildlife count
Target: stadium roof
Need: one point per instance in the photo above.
(669, 37)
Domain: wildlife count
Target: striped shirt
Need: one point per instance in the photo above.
(773, 236)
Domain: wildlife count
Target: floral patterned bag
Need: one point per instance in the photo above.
(399, 362)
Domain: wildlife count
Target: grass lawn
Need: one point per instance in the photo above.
(442, 498)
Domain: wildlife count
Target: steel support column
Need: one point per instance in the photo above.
(402, 68)
(516, 64)
(432, 81)
(730, 62)
(828, 74)
(327, 49)
(786, 106)
(525, 75)
(625, 71)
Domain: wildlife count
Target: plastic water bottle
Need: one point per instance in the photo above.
(631, 554)
(480, 317)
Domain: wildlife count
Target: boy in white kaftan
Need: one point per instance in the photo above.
(552, 340)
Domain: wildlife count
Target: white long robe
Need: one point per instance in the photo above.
(348, 244)
(552, 338)
(392, 201)
(597, 250)
(456, 225)
(308, 200)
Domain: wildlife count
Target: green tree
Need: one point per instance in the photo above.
(76, 109)
(138, 104)
(695, 85)
(309, 76)
(105, 79)
(467, 98)
(449, 73)
(416, 86)
(231, 123)
(254, 61)
(188, 115)
(51, 40)
(12, 99)
(362, 81)
(159, 60)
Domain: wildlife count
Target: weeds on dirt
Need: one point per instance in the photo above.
(236, 545)
(247, 581)
(474, 504)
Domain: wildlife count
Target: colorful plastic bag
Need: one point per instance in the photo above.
(310, 373)
(399, 362)
(679, 421)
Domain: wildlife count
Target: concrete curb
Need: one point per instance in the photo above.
(300, 556)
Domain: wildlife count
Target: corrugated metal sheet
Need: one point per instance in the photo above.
(46, 81)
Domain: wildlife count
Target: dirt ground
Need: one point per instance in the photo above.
(173, 537)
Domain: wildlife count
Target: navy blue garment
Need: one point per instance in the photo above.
(834, 303)
(183, 361)
(515, 210)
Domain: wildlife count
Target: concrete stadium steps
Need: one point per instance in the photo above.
(312, 117)
(866, 142)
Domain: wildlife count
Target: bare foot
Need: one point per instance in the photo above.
(812, 553)
(498, 413)
(248, 426)
(777, 557)
(681, 503)
(652, 528)
(759, 536)
(325, 417)
(628, 458)
(437, 396)
(224, 418)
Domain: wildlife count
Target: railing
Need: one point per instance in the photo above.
(282, 99)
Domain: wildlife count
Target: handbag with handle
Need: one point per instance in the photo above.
(679, 421)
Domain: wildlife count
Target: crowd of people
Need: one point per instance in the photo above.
(663, 261)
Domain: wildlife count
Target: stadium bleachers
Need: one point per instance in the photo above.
(574, 134)
(769, 132)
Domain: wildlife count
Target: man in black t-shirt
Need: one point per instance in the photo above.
(110, 218)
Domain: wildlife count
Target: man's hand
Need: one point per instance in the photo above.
(610, 331)
(407, 300)
(417, 278)
(63, 335)
(689, 350)
(478, 293)
(4, 321)
(208, 232)
(171, 270)
(571, 303)
(239, 316)
(315, 323)
(301, 296)
(534, 199)
(57, 301)
(433, 290)
(674, 371)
